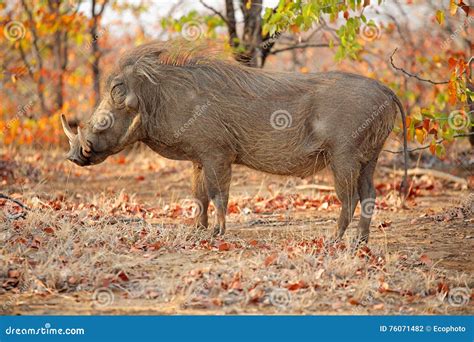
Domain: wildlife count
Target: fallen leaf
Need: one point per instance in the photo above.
(299, 285)
(123, 276)
(13, 274)
(270, 259)
(48, 230)
(155, 246)
(224, 246)
(253, 243)
(354, 301)
(426, 260)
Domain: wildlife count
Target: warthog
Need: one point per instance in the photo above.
(216, 113)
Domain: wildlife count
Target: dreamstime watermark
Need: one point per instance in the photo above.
(456, 32)
(105, 119)
(459, 296)
(197, 112)
(459, 119)
(103, 296)
(192, 31)
(368, 208)
(21, 112)
(192, 207)
(273, 38)
(10, 302)
(281, 119)
(46, 330)
(370, 32)
(280, 297)
(14, 30)
(376, 111)
(88, 46)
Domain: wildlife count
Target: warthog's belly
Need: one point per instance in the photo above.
(286, 164)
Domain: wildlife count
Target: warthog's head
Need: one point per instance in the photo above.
(115, 123)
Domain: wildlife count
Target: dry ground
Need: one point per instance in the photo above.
(115, 239)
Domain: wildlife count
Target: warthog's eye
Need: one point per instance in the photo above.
(118, 94)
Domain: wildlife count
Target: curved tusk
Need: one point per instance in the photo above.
(67, 129)
(82, 141)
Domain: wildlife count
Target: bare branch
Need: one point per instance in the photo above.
(102, 8)
(299, 46)
(216, 12)
(461, 135)
(413, 75)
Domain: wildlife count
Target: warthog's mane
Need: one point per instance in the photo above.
(167, 68)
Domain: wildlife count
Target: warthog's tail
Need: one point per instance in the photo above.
(404, 185)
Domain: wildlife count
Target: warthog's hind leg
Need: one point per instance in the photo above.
(200, 193)
(217, 176)
(346, 175)
(366, 191)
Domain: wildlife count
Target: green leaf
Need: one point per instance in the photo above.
(440, 151)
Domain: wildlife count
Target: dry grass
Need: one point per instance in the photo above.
(102, 250)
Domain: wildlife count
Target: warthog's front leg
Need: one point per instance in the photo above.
(200, 193)
(217, 175)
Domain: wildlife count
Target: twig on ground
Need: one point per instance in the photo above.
(435, 173)
(19, 215)
(315, 187)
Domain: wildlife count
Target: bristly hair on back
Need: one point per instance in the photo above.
(177, 64)
(176, 53)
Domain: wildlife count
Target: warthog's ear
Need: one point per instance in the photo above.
(131, 101)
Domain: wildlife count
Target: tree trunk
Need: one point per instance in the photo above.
(60, 51)
(96, 53)
(248, 48)
(39, 59)
(95, 61)
(252, 36)
(471, 113)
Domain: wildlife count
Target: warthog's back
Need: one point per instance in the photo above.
(294, 125)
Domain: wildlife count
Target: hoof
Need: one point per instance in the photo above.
(362, 240)
(200, 227)
(335, 239)
(358, 243)
(218, 231)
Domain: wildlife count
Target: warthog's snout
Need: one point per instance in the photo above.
(80, 152)
(77, 158)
